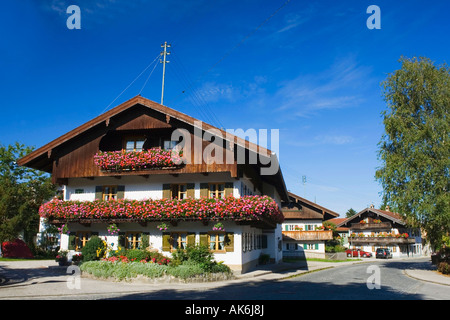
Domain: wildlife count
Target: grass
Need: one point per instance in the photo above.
(24, 259)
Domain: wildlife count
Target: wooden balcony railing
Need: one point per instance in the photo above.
(380, 240)
(371, 226)
(309, 235)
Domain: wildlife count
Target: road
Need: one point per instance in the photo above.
(346, 282)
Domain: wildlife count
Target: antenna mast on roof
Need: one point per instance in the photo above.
(164, 61)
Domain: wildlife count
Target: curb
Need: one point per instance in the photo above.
(405, 272)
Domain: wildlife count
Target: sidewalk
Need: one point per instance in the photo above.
(428, 275)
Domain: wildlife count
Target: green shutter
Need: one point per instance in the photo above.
(98, 192)
(228, 189)
(229, 242)
(166, 241)
(305, 246)
(120, 192)
(317, 246)
(204, 239)
(167, 191)
(72, 240)
(190, 190)
(190, 238)
(204, 187)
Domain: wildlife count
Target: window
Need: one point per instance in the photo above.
(133, 240)
(81, 238)
(179, 240)
(109, 193)
(179, 191)
(216, 190)
(134, 144)
(79, 191)
(217, 241)
(169, 144)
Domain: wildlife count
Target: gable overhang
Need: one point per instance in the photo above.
(42, 158)
(310, 208)
(347, 222)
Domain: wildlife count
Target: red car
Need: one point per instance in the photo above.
(358, 253)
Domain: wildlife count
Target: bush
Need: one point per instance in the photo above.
(139, 255)
(200, 256)
(444, 268)
(94, 249)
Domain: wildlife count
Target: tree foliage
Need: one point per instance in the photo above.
(350, 213)
(22, 191)
(415, 148)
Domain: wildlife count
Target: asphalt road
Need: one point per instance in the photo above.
(387, 281)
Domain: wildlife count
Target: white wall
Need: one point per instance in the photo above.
(140, 188)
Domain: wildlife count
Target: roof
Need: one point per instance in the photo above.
(307, 209)
(337, 221)
(393, 216)
(41, 158)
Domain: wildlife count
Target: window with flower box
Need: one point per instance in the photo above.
(134, 143)
(109, 193)
(216, 191)
(179, 191)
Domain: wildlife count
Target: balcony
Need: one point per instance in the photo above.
(371, 226)
(309, 235)
(380, 240)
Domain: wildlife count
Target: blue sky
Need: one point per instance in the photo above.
(311, 69)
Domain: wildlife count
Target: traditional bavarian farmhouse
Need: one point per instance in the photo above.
(372, 228)
(157, 174)
(303, 232)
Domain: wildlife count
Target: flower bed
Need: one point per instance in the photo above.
(244, 208)
(137, 160)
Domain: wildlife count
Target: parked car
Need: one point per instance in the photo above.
(358, 253)
(383, 253)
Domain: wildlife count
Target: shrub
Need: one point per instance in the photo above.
(444, 268)
(131, 255)
(94, 249)
(200, 256)
(263, 259)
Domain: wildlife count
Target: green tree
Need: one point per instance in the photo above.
(415, 148)
(22, 191)
(350, 213)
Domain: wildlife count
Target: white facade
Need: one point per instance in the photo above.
(303, 248)
(249, 242)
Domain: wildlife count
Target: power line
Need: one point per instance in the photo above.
(196, 97)
(131, 83)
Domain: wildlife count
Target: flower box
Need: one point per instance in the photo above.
(155, 158)
(249, 208)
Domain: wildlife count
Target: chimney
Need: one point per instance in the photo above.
(372, 206)
(387, 208)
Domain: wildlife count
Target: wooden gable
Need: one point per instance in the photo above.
(72, 154)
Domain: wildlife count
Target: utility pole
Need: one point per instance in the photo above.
(164, 61)
(304, 186)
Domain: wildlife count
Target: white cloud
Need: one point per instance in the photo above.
(340, 86)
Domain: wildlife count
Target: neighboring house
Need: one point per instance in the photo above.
(117, 170)
(342, 231)
(372, 228)
(303, 232)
